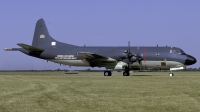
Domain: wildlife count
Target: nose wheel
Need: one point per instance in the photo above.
(171, 74)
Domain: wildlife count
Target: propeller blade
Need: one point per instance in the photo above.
(140, 65)
(129, 47)
(130, 57)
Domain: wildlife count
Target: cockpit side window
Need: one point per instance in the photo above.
(176, 51)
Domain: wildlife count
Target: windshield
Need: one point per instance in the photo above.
(178, 51)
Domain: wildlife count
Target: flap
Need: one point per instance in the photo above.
(29, 48)
(92, 55)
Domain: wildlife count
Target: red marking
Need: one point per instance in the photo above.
(145, 55)
(84, 59)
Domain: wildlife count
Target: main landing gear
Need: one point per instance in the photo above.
(107, 73)
(126, 73)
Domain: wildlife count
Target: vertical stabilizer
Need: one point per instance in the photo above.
(41, 36)
(42, 39)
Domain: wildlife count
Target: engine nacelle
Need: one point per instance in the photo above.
(121, 56)
(120, 65)
(133, 59)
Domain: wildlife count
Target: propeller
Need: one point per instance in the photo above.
(129, 55)
(132, 57)
(139, 58)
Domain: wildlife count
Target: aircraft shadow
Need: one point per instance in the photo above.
(143, 75)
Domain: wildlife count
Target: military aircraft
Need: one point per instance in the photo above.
(125, 58)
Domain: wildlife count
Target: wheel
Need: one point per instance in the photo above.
(171, 74)
(110, 73)
(107, 73)
(126, 73)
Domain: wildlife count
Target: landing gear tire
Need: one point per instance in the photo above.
(171, 74)
(126, 73)
(107, 73)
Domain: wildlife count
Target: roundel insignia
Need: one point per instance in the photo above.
(42, 36)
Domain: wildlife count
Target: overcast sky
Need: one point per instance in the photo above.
(98, 23)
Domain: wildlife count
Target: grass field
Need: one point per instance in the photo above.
(88, 92)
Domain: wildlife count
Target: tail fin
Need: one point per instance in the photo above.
(42, 39)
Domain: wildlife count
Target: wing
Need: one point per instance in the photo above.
(92, 56)
(98, 60)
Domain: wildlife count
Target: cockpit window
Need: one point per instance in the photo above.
(182, 52)
(179, 51)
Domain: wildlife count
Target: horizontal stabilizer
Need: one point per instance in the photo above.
(30, 48)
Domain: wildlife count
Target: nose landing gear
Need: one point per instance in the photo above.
(172, 69)
(171, 73)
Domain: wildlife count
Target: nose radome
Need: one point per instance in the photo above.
(190, 60)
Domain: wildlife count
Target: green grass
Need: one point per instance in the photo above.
(83, 92)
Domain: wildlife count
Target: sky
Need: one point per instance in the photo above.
(98, 23)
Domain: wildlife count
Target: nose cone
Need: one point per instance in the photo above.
(190, 60)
